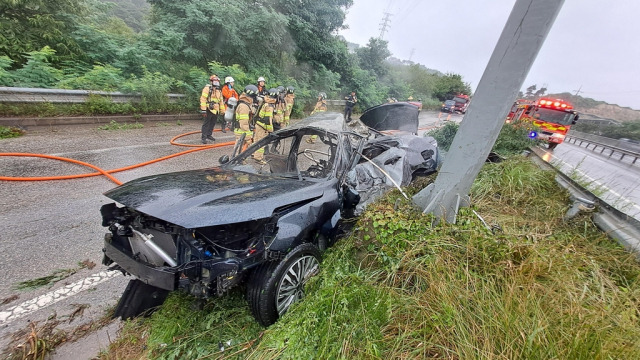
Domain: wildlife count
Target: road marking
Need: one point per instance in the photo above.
(53, 297)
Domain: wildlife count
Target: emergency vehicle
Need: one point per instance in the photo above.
(547, 119)
(461, 103)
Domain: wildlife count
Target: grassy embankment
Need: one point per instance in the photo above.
(399, 288)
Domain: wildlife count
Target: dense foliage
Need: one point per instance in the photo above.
(511, 140)
(133, 46)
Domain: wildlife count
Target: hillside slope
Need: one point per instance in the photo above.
(599, 108)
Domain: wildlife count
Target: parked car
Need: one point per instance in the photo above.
(448, 106)
(264, 223)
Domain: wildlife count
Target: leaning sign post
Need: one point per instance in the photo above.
(517, 48)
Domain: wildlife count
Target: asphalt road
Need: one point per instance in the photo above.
(53, 225)
(615, 181)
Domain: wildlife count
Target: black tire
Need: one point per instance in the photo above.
(552, 146)
(268, 284)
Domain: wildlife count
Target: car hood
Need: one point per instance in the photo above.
(215, 196)
(392, 116)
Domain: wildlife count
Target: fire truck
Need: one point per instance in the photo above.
(462, 103)
(547, 119)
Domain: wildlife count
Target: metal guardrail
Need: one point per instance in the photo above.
(38, 95)
(602, 146)
(617, 225)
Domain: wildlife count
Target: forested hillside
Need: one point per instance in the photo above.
(161, 46)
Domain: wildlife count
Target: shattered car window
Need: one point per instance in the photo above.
(307, 154)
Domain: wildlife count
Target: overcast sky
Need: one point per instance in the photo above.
(593, 45)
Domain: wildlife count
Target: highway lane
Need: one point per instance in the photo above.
(615, 181)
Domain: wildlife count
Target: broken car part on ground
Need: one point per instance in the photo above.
(265, 222)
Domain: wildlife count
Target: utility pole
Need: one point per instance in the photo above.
(519, 44)
(578, 91)
(385, 24)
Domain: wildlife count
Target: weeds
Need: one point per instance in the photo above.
(10, 132)
(114, 125)
(37, 340)
(54, 277)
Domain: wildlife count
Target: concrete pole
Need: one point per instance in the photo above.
(517, 48)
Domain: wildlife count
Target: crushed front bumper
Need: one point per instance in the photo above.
(163, 278)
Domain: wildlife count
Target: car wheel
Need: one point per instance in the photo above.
(552, 146)
(274, 286)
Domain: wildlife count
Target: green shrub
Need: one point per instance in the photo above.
(10, 132)
(512, 139)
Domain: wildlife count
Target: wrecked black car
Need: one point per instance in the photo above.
(264, 222)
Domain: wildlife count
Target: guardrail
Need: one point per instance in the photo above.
(602, 143)
(38, 95)
(616, 224)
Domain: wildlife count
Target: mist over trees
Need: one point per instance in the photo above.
(122, 44)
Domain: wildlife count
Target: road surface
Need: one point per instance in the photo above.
(612, 180)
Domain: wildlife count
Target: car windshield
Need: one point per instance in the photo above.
(459, 100)
(554, 116)
(449, 102)
(301, 153)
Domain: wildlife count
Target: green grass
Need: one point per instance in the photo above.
(7, 132)
(401, 288)
(114, 125)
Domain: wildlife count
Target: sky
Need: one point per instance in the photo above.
(592, 47)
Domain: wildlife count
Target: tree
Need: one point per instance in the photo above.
(372, 57)
(27, 26)
(450, 85)
(38, 71)
(530, 90)
(199, 31)
(311, 25)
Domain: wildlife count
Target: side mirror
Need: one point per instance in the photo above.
(223, 159)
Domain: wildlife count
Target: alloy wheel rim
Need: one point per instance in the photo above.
(291, 287)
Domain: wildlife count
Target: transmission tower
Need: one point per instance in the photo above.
(578, 91)
(385, 24)
(413, 50)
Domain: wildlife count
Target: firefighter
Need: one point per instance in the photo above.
(262, 91)
(228, 91)
(264, 122)
(289, 101)
(348, 108)
(243, 114)
(280, 107)
(211, 106)
(321, 106)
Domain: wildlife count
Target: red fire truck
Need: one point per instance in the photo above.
(547, 119)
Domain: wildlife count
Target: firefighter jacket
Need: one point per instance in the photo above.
(211, 99)
(229, 92)
(289, 100)
(265, 114)
(321, 106)
(279, 112)
(243, 116)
